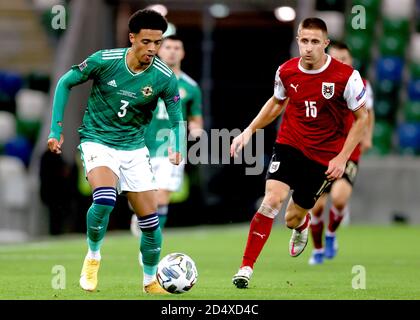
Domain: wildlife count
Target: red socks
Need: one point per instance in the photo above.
(335, 219)
(259, 232)
(316, 231)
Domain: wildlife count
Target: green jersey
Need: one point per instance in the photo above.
(121, 103)
(159, 129)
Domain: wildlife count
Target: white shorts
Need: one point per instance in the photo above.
(168, 176)
(132, 167)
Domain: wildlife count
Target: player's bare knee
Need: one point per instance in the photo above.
(268, 211)
(340, 205)
(272, 200)
(292, 221)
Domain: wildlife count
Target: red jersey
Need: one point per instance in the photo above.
(316, 118)
(355, 156)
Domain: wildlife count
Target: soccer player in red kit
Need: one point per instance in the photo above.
(313, 143)
(341, 189)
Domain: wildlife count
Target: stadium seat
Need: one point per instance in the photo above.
(19, 147)
(415, 48)
(31, 104)
(8, 126)
(30, 108)
(409, 137)
(359, 42)
(398, 9)
(385, 109)
(399, 27)
(382, 138)
(10, 83)
(387, 89)
(335, 23)
(393, 45)
(412, 111)
(415, 70)
(414, 90)
(389, 68)
(13, 178)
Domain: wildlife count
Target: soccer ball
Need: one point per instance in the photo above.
(177, 273)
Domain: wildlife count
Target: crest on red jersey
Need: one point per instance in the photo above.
(328, 90)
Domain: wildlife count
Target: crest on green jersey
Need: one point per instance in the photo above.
(147, 91)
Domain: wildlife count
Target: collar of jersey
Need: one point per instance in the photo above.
(128, 69)
(325, 66)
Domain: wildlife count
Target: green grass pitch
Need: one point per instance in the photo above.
(390, 256)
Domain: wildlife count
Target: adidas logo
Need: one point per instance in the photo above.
(112, 83)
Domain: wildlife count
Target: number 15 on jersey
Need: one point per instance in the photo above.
(311, 110)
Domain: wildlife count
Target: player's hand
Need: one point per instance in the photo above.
(240, 142)
(55, 146)
(174, 157)
(336, 168)
(365, 145)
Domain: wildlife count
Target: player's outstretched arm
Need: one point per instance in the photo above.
(337, 165)
(61, 96)
(178, 126)
(268, 113)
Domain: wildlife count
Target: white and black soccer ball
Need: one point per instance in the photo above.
(177, 273)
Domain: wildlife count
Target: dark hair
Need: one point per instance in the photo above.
(173, 37)
(314, 23)
(147, 19)
(339, 46)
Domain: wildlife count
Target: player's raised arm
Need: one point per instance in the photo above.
(76, 75)
(178, 131)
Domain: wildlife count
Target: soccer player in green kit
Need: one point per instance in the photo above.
(169, 177)
(127, 84)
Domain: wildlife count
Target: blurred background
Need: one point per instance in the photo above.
(233, 49)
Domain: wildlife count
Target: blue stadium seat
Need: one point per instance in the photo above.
(389, 68)
(10, 83)
(19, 147)
(414, 90)
(409, 135)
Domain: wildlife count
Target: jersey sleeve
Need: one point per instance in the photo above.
(196, 103)
(173, 106)
(90, 67)
(279, 90)
(355, 92)
(369, 96)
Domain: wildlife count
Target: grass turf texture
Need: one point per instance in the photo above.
(389, 254)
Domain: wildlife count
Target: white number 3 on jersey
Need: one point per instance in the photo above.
(123, 108)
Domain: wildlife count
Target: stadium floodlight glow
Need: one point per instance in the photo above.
(159, 8)
(285, 14)
(219, 10)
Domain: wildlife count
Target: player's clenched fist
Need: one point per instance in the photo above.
(54, 145)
